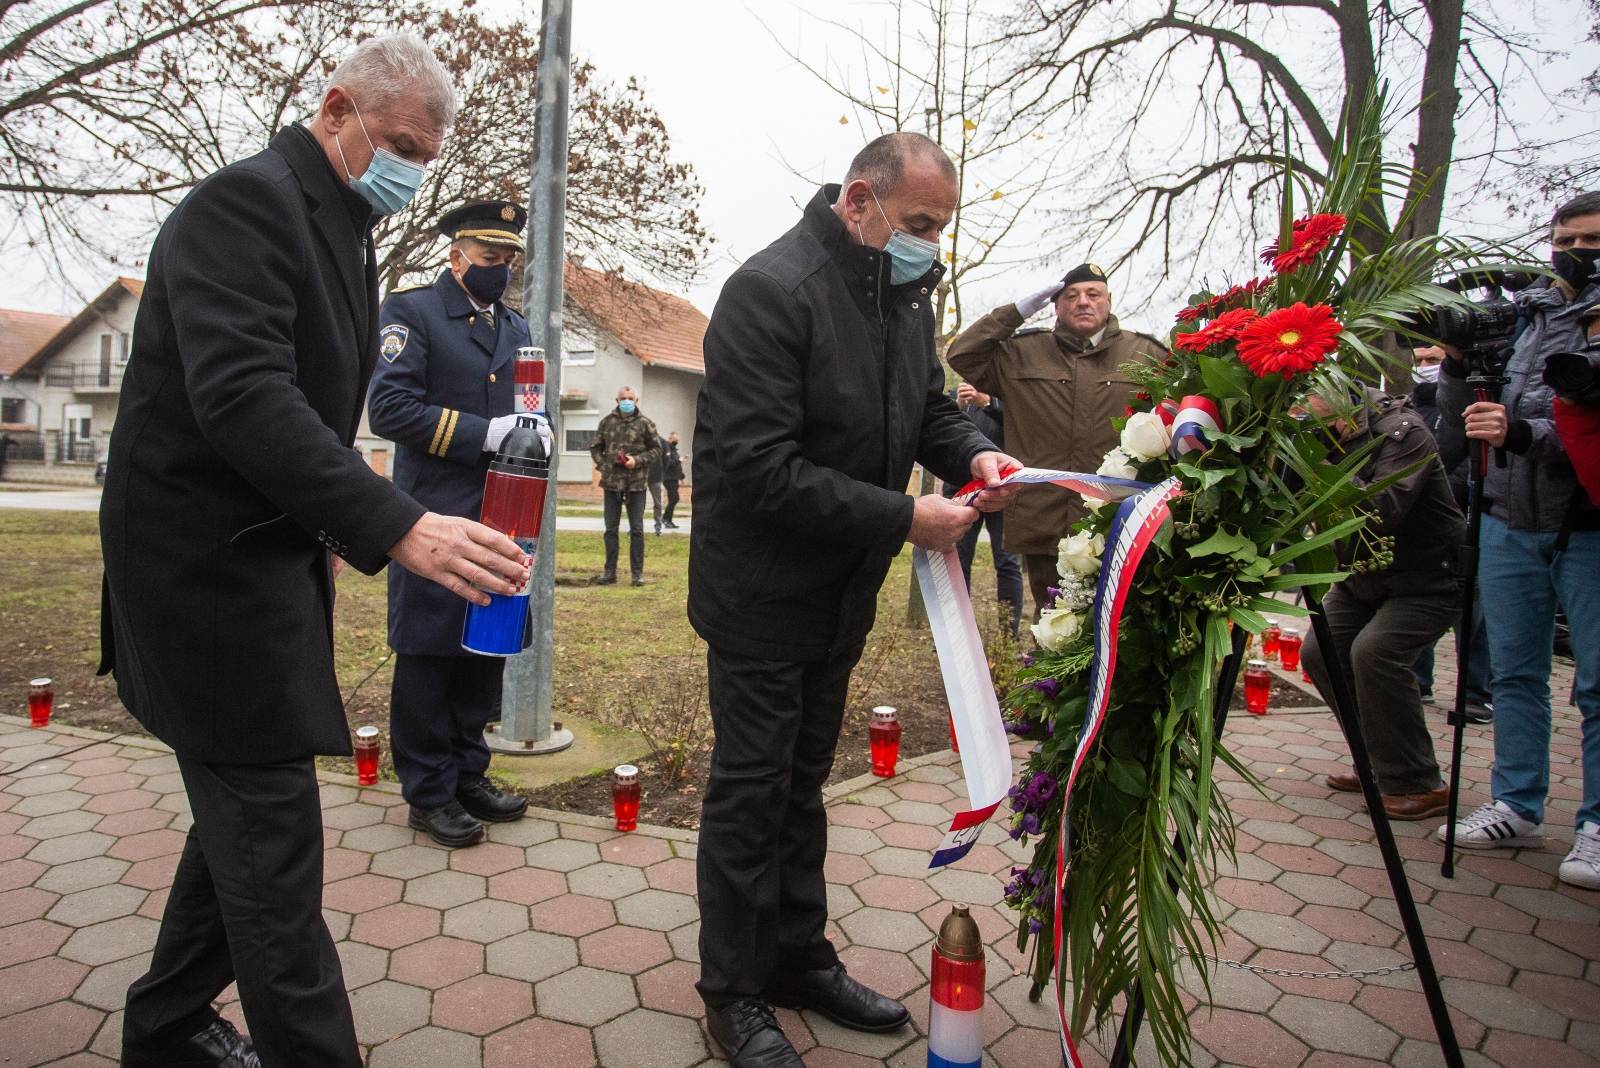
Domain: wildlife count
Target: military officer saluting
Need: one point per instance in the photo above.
(442, 393)
(1061, 386)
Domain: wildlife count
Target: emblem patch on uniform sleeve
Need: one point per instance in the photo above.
(392, 339)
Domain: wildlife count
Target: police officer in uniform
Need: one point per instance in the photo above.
(1061, 386)
(443, 392)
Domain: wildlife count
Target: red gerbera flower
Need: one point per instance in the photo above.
(1310, 236)
(1189, 315)
(1289, 341)
(1226, 327)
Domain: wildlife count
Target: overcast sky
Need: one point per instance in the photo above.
(747, 116)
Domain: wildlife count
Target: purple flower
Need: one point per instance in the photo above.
(1051, 594)
(1030, 824)
(1035, 926)
(1048, 686)
(1043, 787)
(1027, 660)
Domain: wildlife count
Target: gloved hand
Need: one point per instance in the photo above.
(500, 426)
(1033, 303)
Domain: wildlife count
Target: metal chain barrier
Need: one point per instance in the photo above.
(1291, 973)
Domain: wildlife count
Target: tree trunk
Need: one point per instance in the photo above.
(1436, 119)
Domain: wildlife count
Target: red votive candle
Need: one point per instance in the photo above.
(40, 700)
(368, 750)
(625, 797)
(1270, 637)
(883, 738)
(1289, 649)
(1257, 687)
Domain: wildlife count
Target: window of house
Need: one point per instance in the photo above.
(77, 421)
(580, 440)
(124, 346)
(13, 410)
(580, 355)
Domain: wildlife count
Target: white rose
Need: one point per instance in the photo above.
(1056, 628)
(1117, 464)
(1080, 554)
(1146, 436)
(1093, 504)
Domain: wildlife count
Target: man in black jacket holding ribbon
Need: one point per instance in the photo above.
(822, 390)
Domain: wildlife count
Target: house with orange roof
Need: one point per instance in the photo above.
(59, 380)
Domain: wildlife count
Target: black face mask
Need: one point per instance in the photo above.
(1576, 266)
(487, 284)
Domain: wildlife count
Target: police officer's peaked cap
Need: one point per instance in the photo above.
(494, 222)
(1083, 272)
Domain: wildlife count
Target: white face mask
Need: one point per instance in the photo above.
(1427, 372)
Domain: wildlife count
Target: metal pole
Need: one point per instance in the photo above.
(525, 723)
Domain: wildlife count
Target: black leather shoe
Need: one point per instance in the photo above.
(841, 999)
(217, 1046)
(606, 578)
(449, 825)
(485, 801)
(638, 578)
(750, 1037)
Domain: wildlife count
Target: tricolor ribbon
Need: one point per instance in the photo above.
(1195, 417)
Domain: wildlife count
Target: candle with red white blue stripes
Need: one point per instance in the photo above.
(955, 1017)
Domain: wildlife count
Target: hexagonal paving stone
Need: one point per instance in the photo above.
(971, 887)
(49, 804)
(895, 892)
(637, 850)
(39, 982)
(658, 910)
(571, 914)
(361, 963)
(929, 815)
(380, 837)
(486, 920)
(106, 987)
(670, 988)
(527, 886)
(676, 875)
(58, 824)
(487, 858)
(25, 903)
(428, 1047)
(409, 861)
(1277, 932)
(650, 1039)
(71, 847)
(562, 854)
(890, 974)
(362, 893)
(112, 940)
(97, 905)
(852, 840)
(609, 881)
(585, 996)
(436, 962)
(396, 925)
(531, 956)
(524, 832)
(883, 929)
(894, 860)
(446, 889)
(386, 1009)
(47, 1032)
(558, 1044)
(482, 1004)
(629, 950)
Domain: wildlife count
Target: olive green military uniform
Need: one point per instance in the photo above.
(1061, 393)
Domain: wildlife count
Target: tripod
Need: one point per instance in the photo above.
(1344, 709)
(1477, 471)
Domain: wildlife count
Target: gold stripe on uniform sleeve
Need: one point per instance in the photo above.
(438, 432)
(449, 433)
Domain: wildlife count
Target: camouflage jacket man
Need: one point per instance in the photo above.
(625, 435)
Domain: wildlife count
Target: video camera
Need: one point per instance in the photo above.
(1483, 332)
(1575, 376)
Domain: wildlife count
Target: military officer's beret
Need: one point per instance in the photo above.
(1083, 272)
(494, 222)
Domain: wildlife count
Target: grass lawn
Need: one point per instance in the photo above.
(624, 657)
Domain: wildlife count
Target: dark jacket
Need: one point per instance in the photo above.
(822, 390)
(231, 473)
(1418, 510)
(1530, 484)
(1452, 443)
(444, 370)
(990, 421)
(631, 434)
(671, 463)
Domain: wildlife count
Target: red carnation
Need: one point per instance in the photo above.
(1289, 341)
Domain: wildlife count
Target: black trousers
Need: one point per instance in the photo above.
(763, 831)
(672, 500)
(438, 708)
(613, 516)
(1007, 566)
(1378, 641)
(1042, 574)
(246, 905)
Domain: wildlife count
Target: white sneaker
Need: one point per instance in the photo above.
(1582, 866)
(1493, 826)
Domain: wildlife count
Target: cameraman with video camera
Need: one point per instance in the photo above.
(1539, 546)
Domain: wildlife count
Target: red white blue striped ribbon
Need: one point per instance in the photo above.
(1196, 417)
(1132, 531)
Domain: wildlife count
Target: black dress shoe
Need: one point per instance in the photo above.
(449, 825)
(840, 998)
(750, 1037)
(217, 1046)
(485, 801)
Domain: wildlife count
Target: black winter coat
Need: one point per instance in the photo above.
(231, 473)
(822, 390)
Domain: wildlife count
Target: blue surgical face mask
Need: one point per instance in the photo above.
(909, 257)
(389, 182)
(627, 407)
